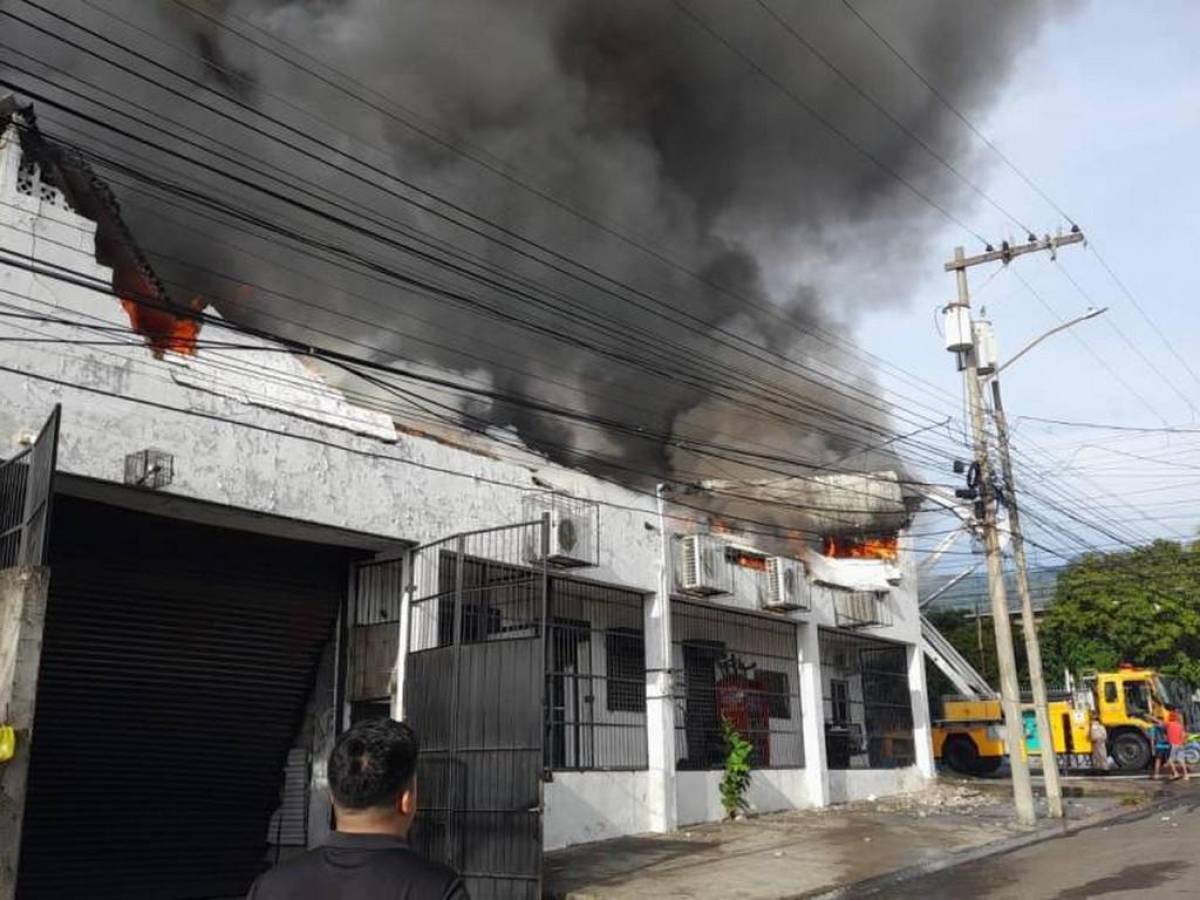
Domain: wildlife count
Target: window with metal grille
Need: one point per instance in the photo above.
(839, 692)
(738, 667)
(596, 678)
(868, 707)
(625, 653)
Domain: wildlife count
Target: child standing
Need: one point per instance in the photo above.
(1162, 747)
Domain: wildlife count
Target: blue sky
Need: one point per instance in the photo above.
(1104, 115)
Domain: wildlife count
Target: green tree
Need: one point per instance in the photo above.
(1139, 606)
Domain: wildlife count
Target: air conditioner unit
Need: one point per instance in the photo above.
(570, 536)
(787, 585)
(703, 568)
(860, 609)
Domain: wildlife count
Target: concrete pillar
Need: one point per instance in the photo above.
(922, 731)
(812, 709)
(22, 618)
(660, 714)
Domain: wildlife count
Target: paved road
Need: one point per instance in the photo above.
(1156, 854)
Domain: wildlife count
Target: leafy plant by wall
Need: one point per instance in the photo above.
(736, 780)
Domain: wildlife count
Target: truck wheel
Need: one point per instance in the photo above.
(988, 764)
(1131, 751)
(961, 755)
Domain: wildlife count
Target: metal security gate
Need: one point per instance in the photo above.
(26, 492)
(474, 689)
(177, 663)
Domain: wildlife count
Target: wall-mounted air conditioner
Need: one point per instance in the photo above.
(861, 609)
(703, 567)
(570, 534)
(787, 586)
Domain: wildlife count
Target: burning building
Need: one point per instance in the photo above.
(628, 268)
(242, 596)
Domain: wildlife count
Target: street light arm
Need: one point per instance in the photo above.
(1091, 314)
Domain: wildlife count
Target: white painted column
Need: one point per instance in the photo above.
(922, 731)
(10, 159)
(812, 709)
(660, 689)
(660, 714)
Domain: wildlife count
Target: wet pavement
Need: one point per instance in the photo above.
(808, 852)
(1151, 854)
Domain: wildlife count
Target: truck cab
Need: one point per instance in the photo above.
(1125, 701)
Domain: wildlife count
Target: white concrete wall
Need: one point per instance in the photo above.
(582, 807)
(771, 790)
(848, 785)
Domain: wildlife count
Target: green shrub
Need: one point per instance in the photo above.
(736, 780)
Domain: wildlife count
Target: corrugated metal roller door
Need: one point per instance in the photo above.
(177, 662)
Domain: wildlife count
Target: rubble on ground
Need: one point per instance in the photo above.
(934, 800)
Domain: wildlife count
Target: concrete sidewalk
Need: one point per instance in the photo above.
(807, 852)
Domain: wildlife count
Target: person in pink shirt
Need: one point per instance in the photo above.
(1176, 738)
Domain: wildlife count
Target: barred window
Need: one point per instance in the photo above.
(738, 667)
(868, 707)
(777, 690)
(596, 678)
(625, 652)
(839, 692)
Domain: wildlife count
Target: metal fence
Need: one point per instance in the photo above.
(474, 684)
(26, 495)
(737, 667)
(596, 678)
(868, 706)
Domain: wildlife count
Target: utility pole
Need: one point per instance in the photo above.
(1033, 650)
(1010, 696)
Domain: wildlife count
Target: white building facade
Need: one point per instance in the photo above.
(268, 462)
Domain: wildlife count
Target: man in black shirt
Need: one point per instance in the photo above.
(372, 777)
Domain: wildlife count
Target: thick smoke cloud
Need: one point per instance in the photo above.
(622, 110)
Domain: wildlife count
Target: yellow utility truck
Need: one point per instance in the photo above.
(969, 737)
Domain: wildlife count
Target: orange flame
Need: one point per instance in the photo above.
(750, 561)
(163, 329)
(861, 548)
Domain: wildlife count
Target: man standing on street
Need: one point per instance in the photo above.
(372, 777)
(1176, 738)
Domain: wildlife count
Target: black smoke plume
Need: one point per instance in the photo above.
(583, 118)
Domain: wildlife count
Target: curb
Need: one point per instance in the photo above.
(877, 883)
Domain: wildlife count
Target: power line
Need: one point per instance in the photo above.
(1111, 427)
(1127, 341)
(830, 125)
(1100, 360)
(81, 280)
(869, 98)
(376, 171)
(504, 166)
(774, 532)
(408, 280)
(945, 101)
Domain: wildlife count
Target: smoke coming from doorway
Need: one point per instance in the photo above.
(583, 117)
